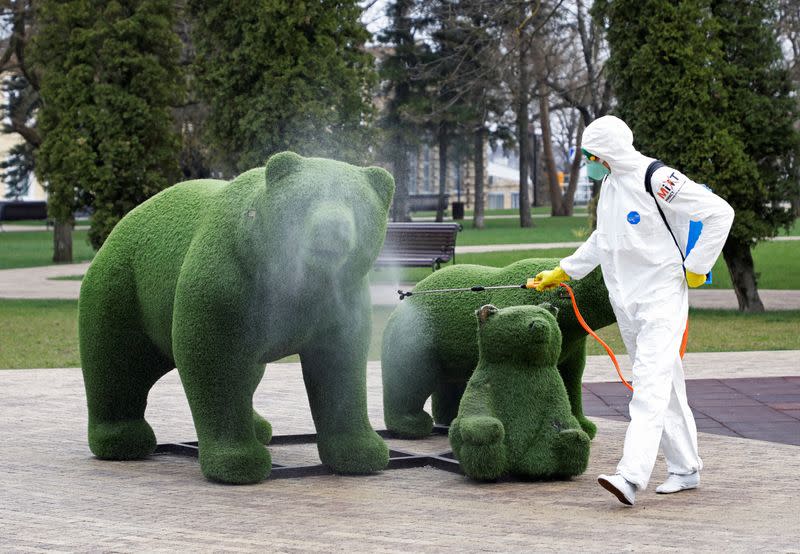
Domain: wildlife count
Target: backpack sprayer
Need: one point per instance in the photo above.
(529, 284)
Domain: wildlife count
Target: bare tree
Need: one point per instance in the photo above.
(789, 36)
(16, 16)
(574, 72)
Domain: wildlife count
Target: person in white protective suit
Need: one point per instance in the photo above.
(647, 277)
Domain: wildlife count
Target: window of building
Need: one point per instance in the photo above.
(426, 168)
(515, 200)
(413, 158)
(497, 200)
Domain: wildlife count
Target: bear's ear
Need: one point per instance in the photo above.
(550, 308)
(282, 164)
(485, 312)
(383, 183)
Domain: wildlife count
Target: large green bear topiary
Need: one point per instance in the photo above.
(515, 416)
(430, 346)
(218, 278)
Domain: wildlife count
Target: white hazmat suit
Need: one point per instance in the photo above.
(644, 273)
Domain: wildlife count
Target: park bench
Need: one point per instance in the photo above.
(22, 211)
(418, 245)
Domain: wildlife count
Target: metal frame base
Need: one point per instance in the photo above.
(398, 459)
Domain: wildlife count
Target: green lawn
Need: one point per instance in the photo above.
(35, 248)
(794, 231)
(777, 263)
(725, 331)
(29, 249)
(549, 229)
(44, 333)
(508, 231)
(38, 333)
(66, 278)
(29, 223)
(777, 266)
(538, 210)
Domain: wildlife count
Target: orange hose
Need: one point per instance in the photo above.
(602, 342)
(593, 334)
(685, 338)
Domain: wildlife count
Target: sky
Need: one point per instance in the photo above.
(374, 16)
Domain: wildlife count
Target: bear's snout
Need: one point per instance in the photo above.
(332, 232)
(538, 327)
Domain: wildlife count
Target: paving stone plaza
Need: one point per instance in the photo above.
(57, 497)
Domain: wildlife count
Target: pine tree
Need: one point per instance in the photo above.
(760, 115)
(109, 76)
(284, 76)
(699, 83)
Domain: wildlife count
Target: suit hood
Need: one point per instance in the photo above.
(610, 139)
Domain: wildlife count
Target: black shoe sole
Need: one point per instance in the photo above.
(615, 491)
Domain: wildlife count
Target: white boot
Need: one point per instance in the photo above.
(677, 483)
(616, 484)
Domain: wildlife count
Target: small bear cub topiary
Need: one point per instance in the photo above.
(515, 417)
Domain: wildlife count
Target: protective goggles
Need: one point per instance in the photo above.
(590, 157)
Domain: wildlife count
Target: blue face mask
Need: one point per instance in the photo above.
(594, 168)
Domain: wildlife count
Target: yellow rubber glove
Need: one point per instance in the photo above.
(695, 279)
(548, 279)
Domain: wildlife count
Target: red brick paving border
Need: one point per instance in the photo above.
(765, 408)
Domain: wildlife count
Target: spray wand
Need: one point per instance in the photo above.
(477, 288)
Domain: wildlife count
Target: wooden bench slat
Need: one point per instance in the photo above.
(418, 244)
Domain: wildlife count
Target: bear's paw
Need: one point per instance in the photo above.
(122, 440)
(237, 464)
(353, 453)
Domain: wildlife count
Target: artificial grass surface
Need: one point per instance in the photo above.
(431, 346)
(44, 333)
(515, 416)
(222, 277)
(35, 248)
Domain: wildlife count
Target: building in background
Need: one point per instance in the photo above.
(35, 190)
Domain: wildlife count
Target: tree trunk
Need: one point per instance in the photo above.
(522, 132)
(477, 217)
(533, 158)
(556, 207)
(442, 207)
(400, 211)
(574, 173)
(62, 241)
(593, 203)
(743, 276)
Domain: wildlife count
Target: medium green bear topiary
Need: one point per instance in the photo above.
(515, 416)
(430, 346)
(217, 279)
